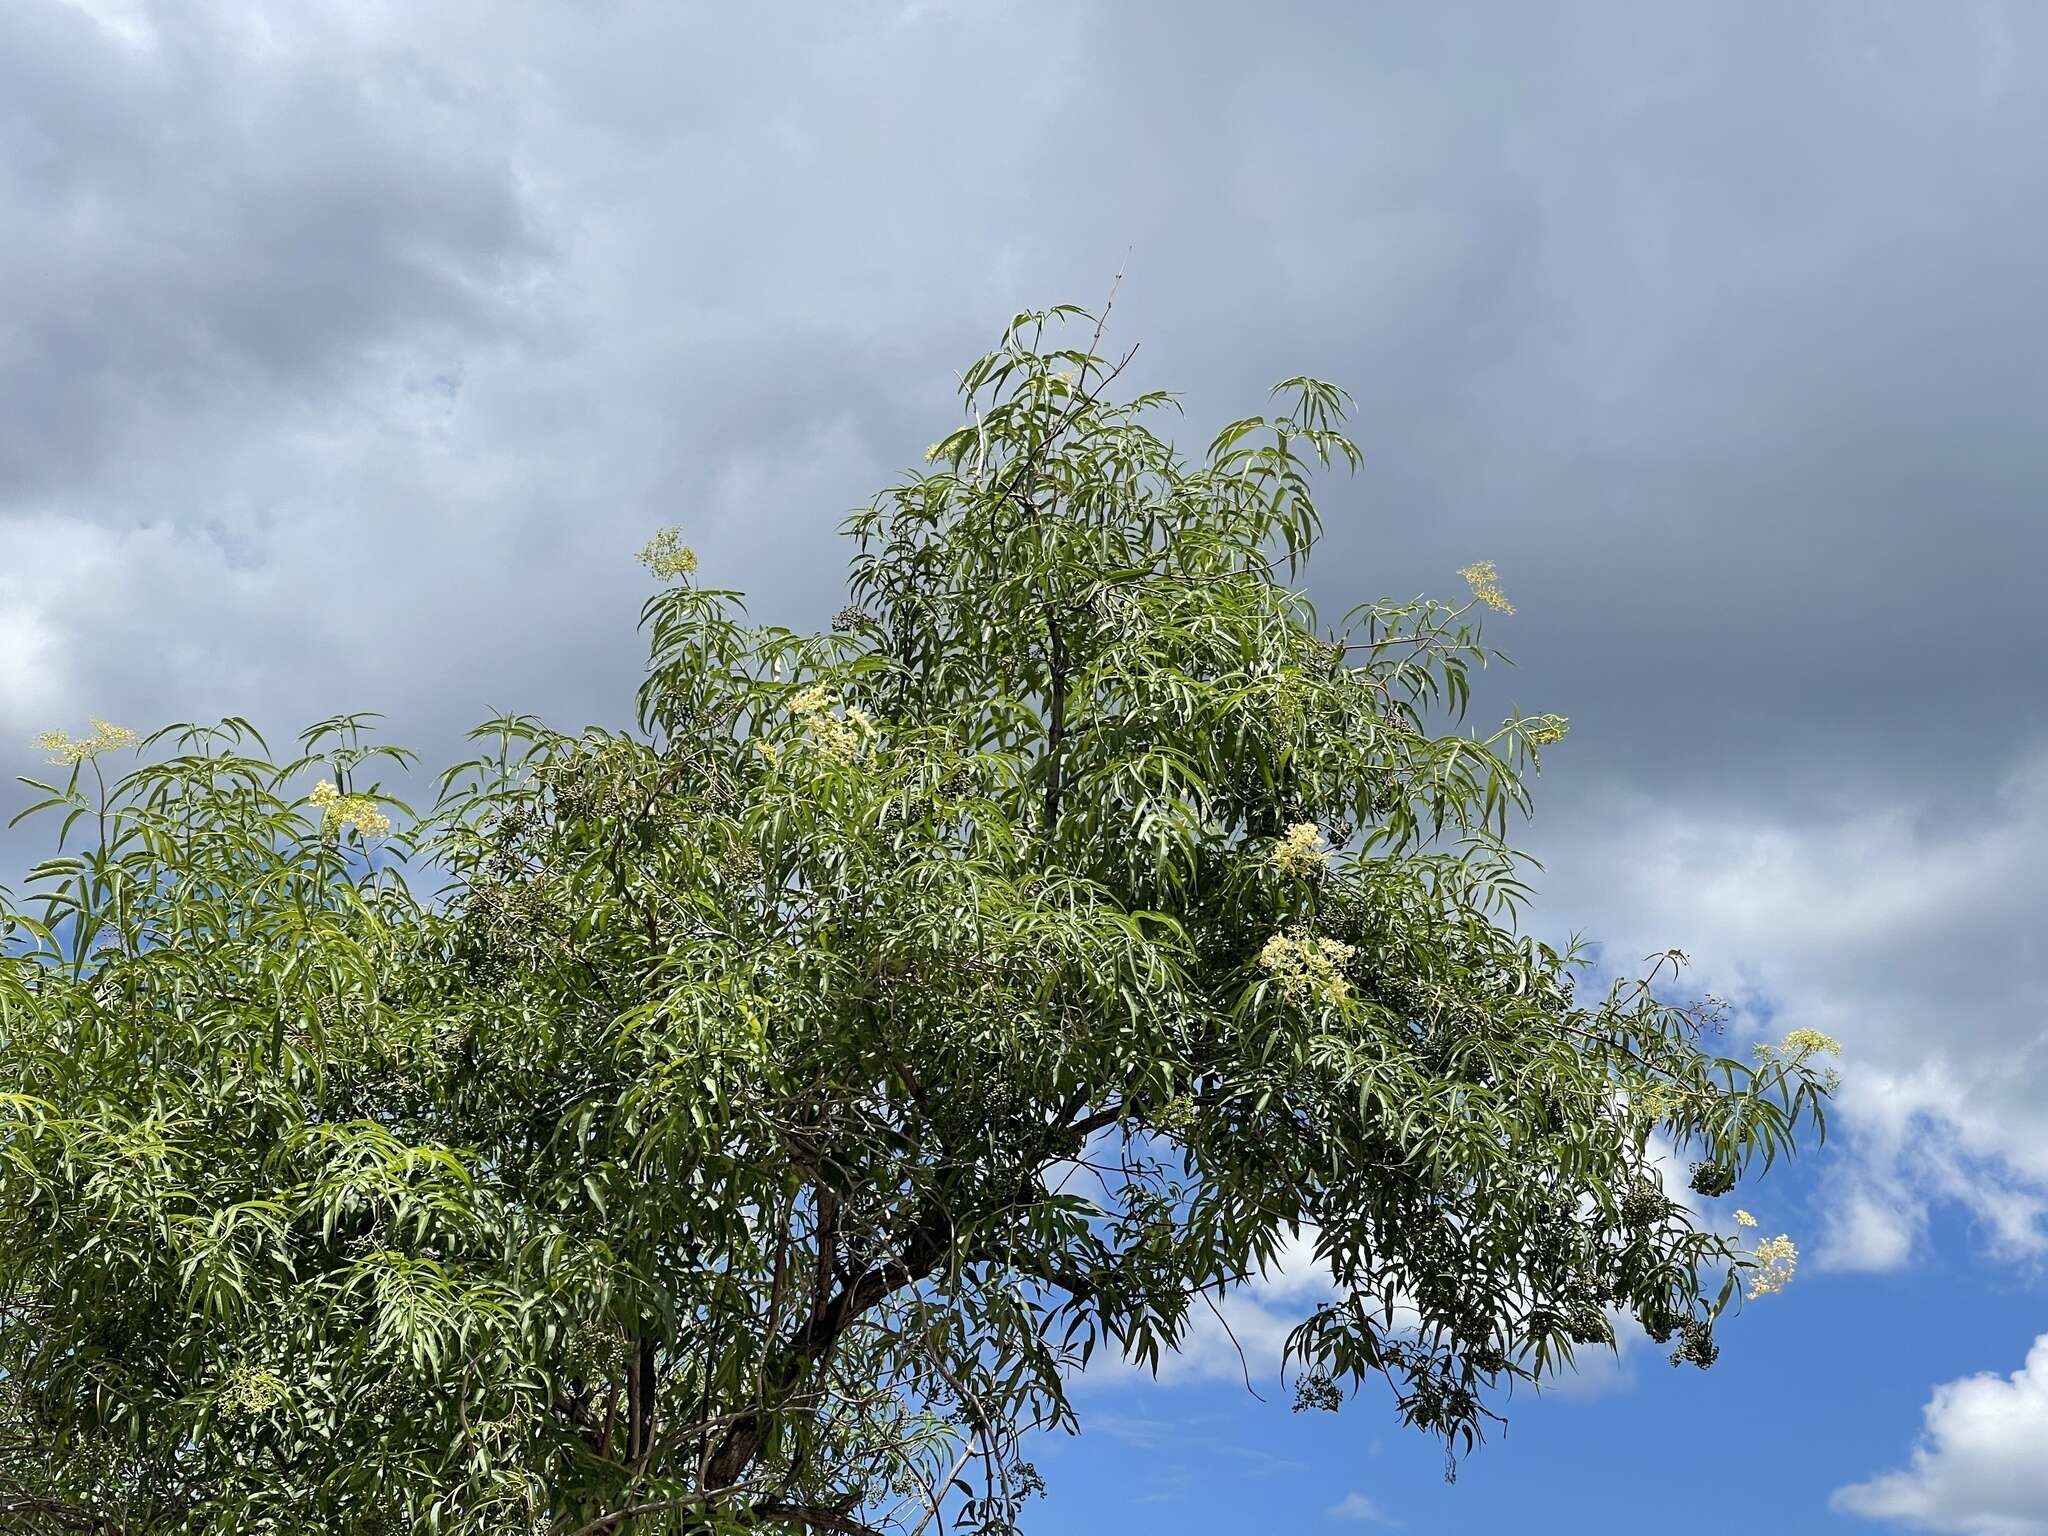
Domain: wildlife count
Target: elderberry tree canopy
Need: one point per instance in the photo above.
(751, 1121)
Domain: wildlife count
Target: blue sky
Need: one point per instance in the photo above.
(1818, 1388)
(351, 349)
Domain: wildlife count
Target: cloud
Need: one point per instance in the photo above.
(1903, 927)
(235, 225)
(1356, 1506)
(1869, 1225)
(1979, 1468)
(492, 294)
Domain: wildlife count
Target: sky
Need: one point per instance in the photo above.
(349, 350)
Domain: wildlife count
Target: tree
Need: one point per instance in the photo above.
(751, 1121)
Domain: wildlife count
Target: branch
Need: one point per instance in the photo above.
(920, 1257)
(928, 1244)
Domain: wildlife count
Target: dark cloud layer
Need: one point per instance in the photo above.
(349, 352)
(199, 227)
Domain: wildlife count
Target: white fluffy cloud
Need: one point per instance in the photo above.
(1981, 1468)
(1910, 931)
(1358, 1506)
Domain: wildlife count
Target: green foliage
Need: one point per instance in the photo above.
(751, 1121)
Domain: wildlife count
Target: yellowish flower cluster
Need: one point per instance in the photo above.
(1545, 730)
(1177, 1114)
(1776, 1258)
(836, 736)
(339, 811)
(1306, 967)
(1484, 581)
(667, 556)
(1301, 851)
(1744, 1219)
(1661, 1099)
(104, 738)
(1655, 1100)
(1801, 1046)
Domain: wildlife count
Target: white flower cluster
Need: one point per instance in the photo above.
(1776, 1259)
(66, 750)
(339, 811)
(1307, 968)
(837, 736)
(667, 556)
(1301, 851)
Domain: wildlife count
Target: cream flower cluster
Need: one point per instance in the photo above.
(1776, 1258)
(1545, 730)
(1307, 968)
(1301, 851)
(836, 736)
(667, 556)
(1799, 1045)
(67, 750)
(1484, 581)
(1802, 1043)
(339, 811)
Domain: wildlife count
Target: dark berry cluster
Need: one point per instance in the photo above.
(1696, 1345)
(1643, 1204)
(1712, 1179)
